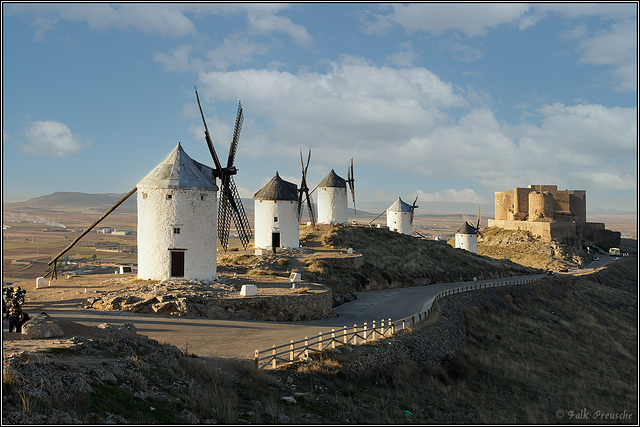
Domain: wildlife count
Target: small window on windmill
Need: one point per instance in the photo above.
(176, 230)
(144, 196)
(169, 196)
(275, 219)
(202, 197)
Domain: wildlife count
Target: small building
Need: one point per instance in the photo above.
(399, 217)
(177, 208)
(276, 215)
(332, 200)
(467, 238)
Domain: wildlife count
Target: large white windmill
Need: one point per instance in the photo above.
(177, 220)
(276, 215)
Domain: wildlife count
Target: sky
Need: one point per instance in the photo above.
(450, 102)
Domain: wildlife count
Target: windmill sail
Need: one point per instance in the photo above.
(303, 192)
(351, 180)
(413, 208)
(230, 204)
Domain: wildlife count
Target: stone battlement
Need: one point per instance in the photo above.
(549, 214)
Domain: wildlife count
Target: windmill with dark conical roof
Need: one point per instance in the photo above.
(467, 236)
(276, 215)
(332, 197)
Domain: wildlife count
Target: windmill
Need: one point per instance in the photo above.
(351, 181)
(230, 205)
(303, 191)
(477, 227)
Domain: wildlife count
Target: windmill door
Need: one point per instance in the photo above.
(177, 264)
(275, 240)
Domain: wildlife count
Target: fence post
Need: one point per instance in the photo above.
(364, 329)
(306, 348)
(382, 328)
(257, 356)
(355, 334)
(390, 327)
(373, 328)
(345, 335)
(403, 324)
(275, 360)
(333, 338)
(320, 341)
(413, 321)
(291, 350)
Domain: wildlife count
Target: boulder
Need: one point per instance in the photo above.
(41, 326)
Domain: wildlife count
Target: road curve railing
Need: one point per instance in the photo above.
(294, 351)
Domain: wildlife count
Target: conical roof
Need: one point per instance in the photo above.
(399, 206)
(467, 229)
(333, 180)
(278, 189)
(178, 170)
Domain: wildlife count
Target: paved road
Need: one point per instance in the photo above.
(240, 339)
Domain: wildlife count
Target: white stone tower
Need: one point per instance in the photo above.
(276, 215)
(177, 207)
(332, 200)
(467, 238)
(399, 217)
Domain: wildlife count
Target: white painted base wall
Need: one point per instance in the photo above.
(332, 205)
(399, 222)
(194, 212)
(286, 211)
(467, 242)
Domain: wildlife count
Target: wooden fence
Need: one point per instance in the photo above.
(279, 355)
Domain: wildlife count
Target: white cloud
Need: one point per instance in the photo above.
(405, 55)
(267, 23)
(411, 121)
(618, 48)
(233, 51)
(49, 138)
(469, 18)
(163, 19)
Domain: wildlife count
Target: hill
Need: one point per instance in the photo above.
(528, 354)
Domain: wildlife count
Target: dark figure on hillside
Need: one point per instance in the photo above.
(14, 314)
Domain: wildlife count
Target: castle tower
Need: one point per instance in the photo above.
(467, 238)
(399, 217)
(332, 200)
(177, 207)
(276, 215)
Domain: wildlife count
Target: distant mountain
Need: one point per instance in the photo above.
(64, 199)
(365, 210)
(610, 211)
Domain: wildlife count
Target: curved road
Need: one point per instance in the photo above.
(240, 339)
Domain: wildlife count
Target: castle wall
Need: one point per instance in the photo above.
(545, 231)
(541, 206)
(521, 203)
(503, 205)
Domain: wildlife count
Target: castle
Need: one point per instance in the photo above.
(549, 214)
